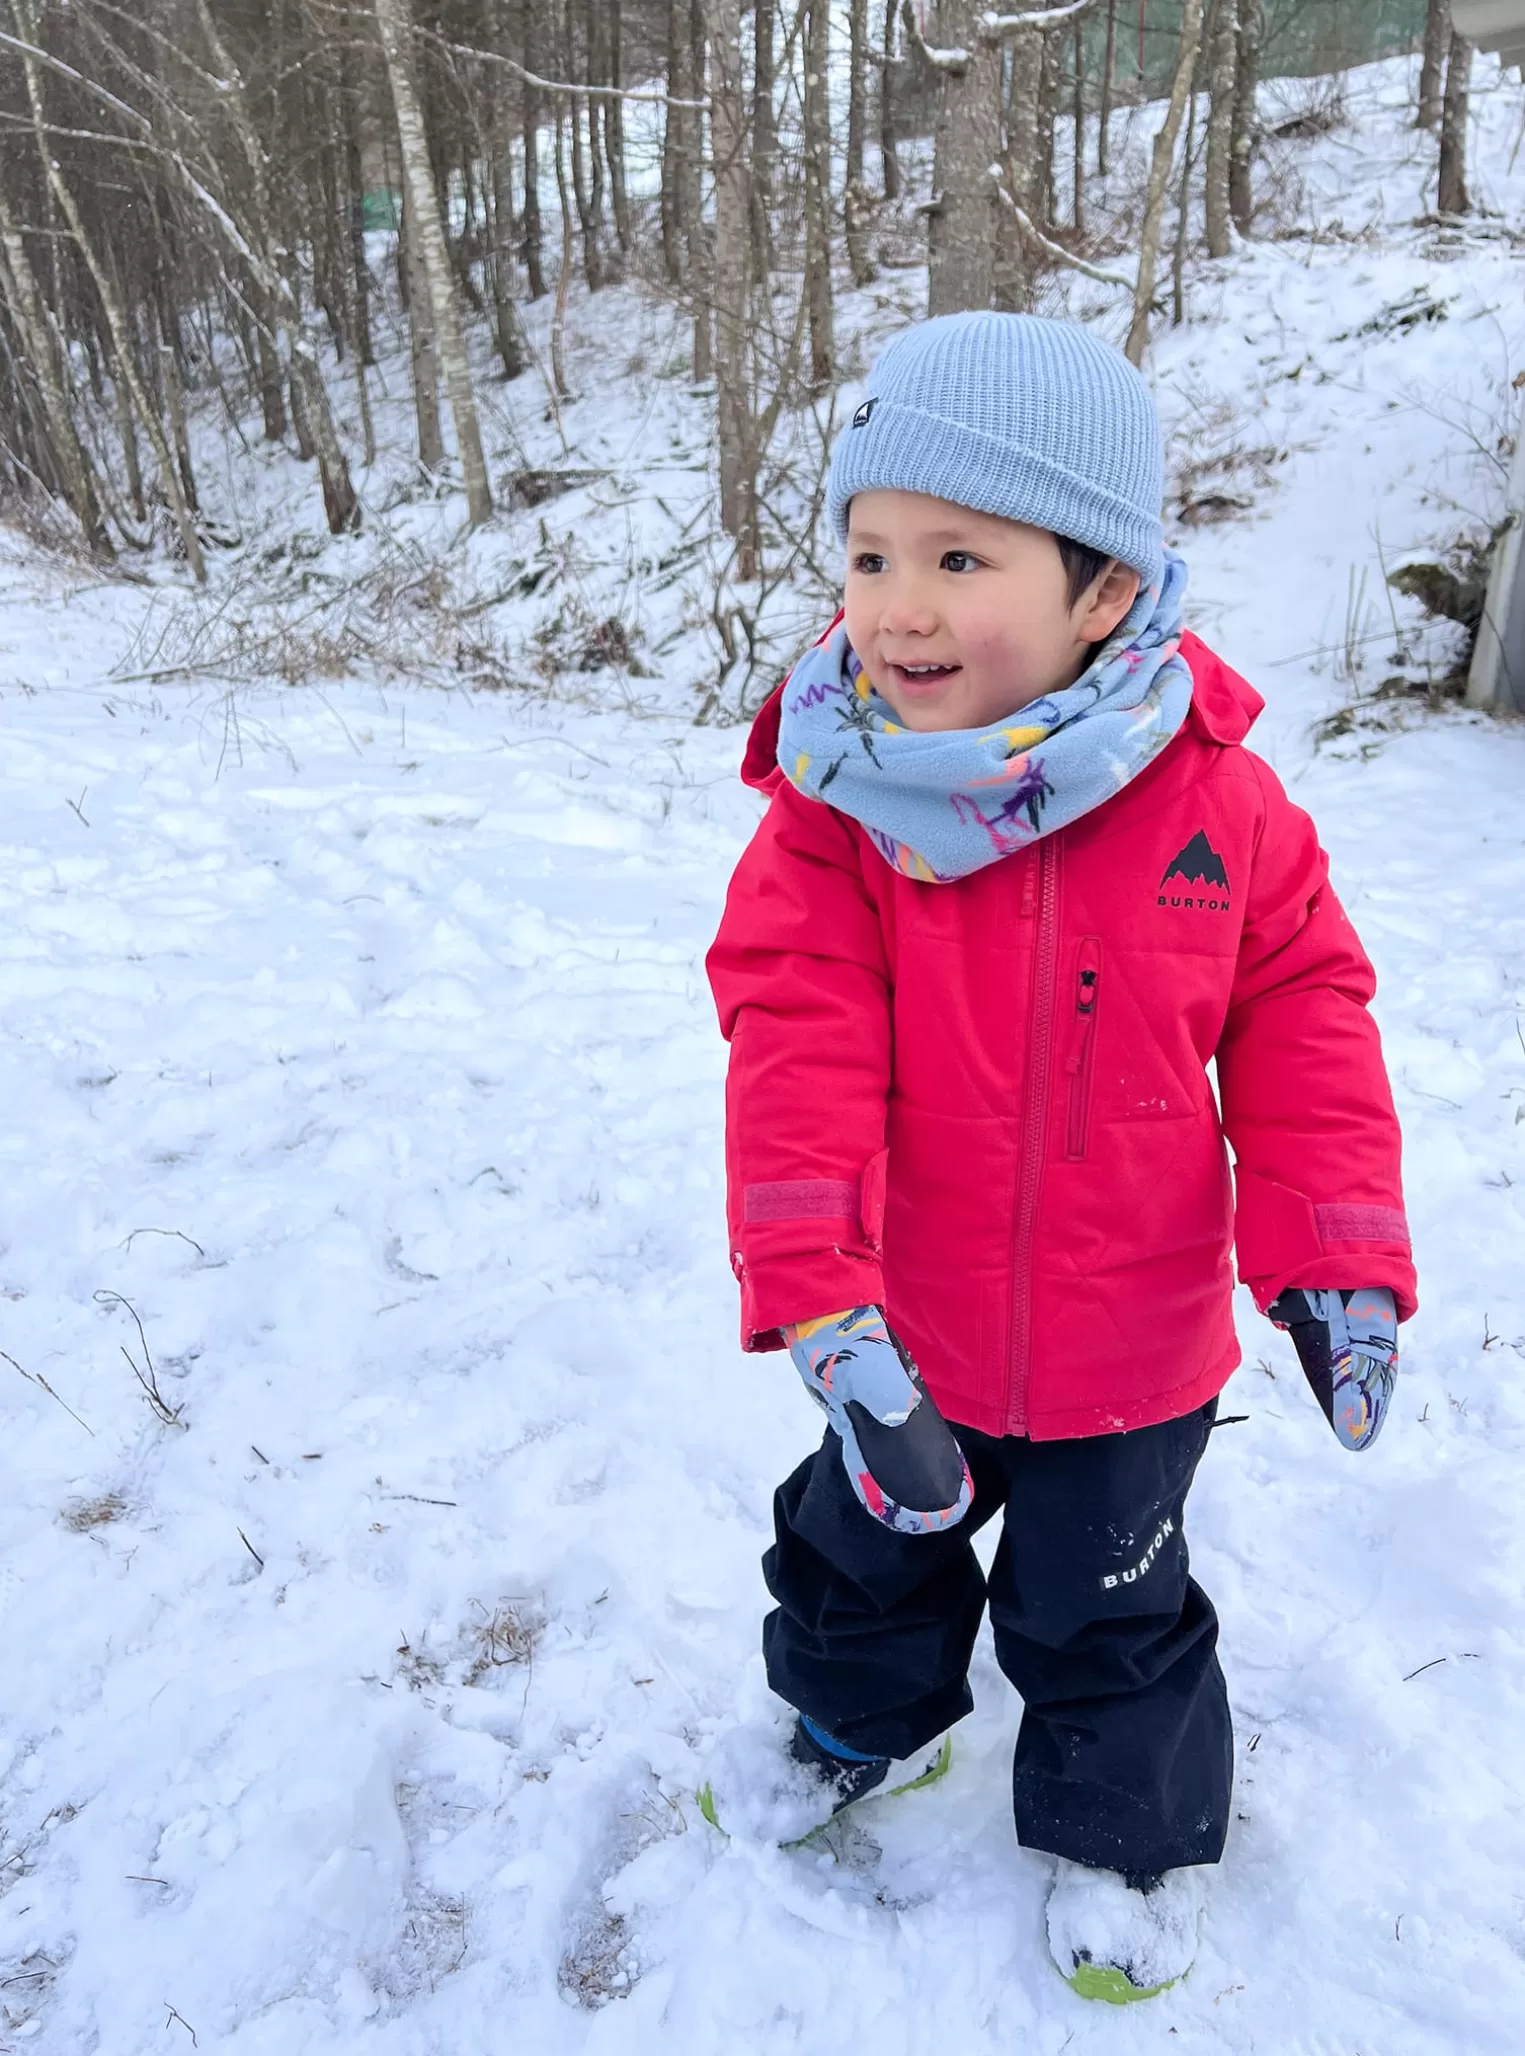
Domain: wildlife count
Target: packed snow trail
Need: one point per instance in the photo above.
(357, 1045)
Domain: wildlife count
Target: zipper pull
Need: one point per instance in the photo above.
(1085, 997)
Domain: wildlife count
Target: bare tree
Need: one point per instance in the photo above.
(1104, 111)
(961, 226)
(1244, 131)
(1432, 67)
(817, 147)
(733, 224)
(394, 19)
(764, 134)
(1222, 83)
(1453, 197)
(855, 202)
(889, 162)
(1159, 179)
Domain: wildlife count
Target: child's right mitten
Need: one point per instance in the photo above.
(1347, 1343)
(902, 1458)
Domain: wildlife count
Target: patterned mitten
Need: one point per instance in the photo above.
(901, 1456)
(1347, 1343)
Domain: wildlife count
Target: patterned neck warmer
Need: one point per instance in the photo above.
(941, 806)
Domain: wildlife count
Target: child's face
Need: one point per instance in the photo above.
(960, 618)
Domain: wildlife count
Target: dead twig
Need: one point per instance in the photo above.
(146, 1375)
(36, 1378)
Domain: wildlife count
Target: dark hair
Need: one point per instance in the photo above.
(1083, 564)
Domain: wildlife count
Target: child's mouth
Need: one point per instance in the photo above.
(918, 680)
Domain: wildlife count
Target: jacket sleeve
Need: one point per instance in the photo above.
(1306, 1102)
(801, 982)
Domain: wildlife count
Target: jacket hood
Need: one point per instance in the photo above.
(1224, 707)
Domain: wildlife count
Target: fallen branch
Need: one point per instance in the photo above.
(1055, 250)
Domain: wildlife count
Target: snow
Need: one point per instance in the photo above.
(354, 1039)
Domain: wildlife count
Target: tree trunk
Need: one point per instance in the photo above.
(855, 203)
(510, 335)
(1078, 202)
(693, 214)
(423, 352)
(1045, 200)
(563, 270)
(614, 129)
(889, 161)
(117, 320)
(1432, 68)
(764, 135)
(395, 22)
(584, 173)
(733, 222)
(1183, 199)
(272, 386)
(340, 504)
(1159, 179)
(76, 475)
(1223, 69)
(1242, 140)
(961, 229)
(1013, 261)
(1108, 64)
(534, 246)
(675, 146)
(817, 146)
(1453, 197)
(360, 275)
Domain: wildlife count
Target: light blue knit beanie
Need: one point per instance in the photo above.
(1013, 414)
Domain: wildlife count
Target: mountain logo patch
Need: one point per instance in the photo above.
(1197, 876)
(864, 414)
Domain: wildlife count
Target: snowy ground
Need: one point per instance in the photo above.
(356, 1044)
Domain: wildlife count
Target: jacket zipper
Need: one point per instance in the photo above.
(1034, 1132)
(1083, 1055)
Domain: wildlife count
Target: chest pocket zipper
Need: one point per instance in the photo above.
(1081, 1062)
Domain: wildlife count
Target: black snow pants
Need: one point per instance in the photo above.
(1124, 1757)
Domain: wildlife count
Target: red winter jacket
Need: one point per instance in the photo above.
(985, 1106)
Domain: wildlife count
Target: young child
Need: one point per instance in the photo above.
(1018, 884)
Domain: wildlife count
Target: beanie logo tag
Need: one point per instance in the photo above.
(860, 419)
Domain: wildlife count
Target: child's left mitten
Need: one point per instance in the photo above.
(1347, 1343)
(902, 1458)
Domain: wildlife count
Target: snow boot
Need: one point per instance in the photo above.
(1120, 1938)
(789, 1799)
(850, 1774)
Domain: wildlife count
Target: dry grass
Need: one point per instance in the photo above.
(79, 1516)
(599, 1964)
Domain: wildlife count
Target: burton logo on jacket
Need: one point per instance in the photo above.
(1197, 864)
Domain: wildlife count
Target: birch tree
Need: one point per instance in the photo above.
(394, 20)
(1223, 66)
(1159, 179)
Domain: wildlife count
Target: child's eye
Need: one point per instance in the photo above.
(959, 560)
(868, 560)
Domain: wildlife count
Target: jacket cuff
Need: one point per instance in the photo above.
(1283, 1238)
(779, 1290)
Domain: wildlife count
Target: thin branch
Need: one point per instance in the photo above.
(996, 26)
(955, 61)
(1055, 250)
(531, 78)
(36, 1378)
(77, 78)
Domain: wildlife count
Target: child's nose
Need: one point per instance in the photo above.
(905, 611)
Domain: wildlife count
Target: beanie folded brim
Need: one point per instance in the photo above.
(910, 450)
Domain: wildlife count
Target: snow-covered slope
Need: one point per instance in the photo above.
(355, 1043)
